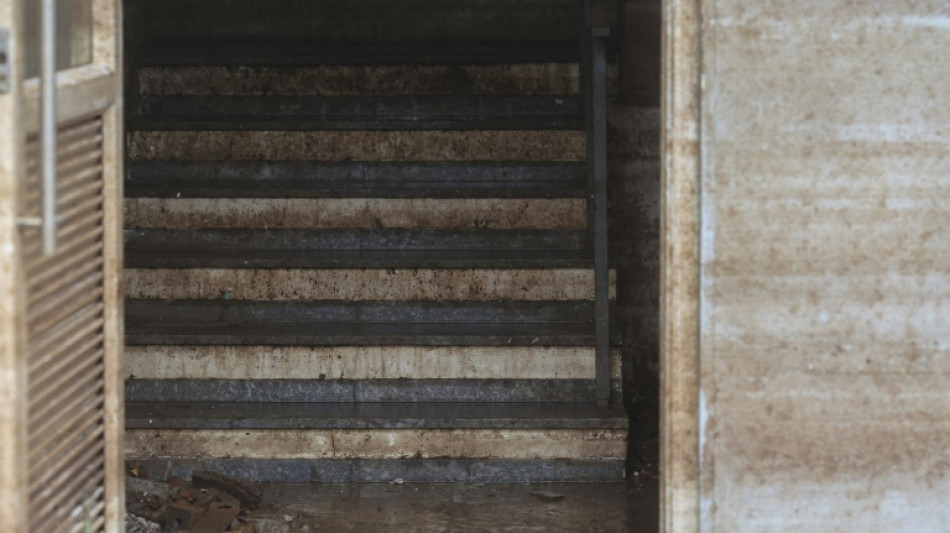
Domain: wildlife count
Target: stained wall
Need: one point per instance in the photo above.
(825, 266)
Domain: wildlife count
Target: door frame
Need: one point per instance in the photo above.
(680, 283)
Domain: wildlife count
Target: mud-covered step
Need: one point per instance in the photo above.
(286, 113)
(381, 443)
(263, 51)
(558, 391)
(314, 179)
(360, 323)
(349, 145)
(248, 362)
(357, 248)
(354, 213)
(387, 470)
(339, 80)
(394, 284)
(373, 415)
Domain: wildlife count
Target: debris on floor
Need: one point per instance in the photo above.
(214, 503)
(137, 524)
(547, 496)
(210, 503)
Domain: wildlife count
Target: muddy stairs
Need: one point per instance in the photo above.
(363, 263)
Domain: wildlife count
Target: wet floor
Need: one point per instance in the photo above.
(493, 507)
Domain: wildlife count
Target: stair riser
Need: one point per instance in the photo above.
(341, 80)
(602, 444)
(330, 108)
(385, 471)
(360, 145)
(314, 179)
(332, 416)
(381, 390)
(361, 284)
(178, 213)
(363, 20)
(359, 363)
(357, 248)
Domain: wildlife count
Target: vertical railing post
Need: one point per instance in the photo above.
(593, 86)
(597, 141)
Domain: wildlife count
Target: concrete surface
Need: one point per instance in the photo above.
(824, 289)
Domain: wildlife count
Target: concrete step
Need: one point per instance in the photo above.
(360, 323)
(190, 362)
(362, 20)
(351, 213)
(369, 390)
(242, 51)
(341, 146)
(284, 113)
(348, 80)
(380, 442)
(353, 179)
(361, 284)
(357, 248)
(304, 470)
(373, 415)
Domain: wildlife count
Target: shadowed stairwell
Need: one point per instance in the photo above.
(362, 261)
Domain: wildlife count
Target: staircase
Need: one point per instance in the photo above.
(365, 262)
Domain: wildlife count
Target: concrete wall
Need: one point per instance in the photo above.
(825, 266)
(634, 191)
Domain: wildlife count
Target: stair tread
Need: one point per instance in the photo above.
(313, 179)
(271, 391)
(386, 470)
(243, 112)
(373, 415)
(337, 322)
(244, 51)
(368, 248)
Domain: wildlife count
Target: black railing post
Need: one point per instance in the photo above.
(597, 141)
(593, 86)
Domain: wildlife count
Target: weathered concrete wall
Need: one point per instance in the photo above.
(634, 181)
(825, 323)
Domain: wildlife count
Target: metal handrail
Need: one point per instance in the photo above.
(593, 77)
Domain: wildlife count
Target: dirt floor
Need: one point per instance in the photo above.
(459, 507)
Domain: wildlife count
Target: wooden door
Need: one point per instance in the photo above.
(60, 266)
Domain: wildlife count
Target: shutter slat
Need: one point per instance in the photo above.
(79, 454)
(50, 379)
(53, 513)
(82, 325)
(80, 266)
(65, 341)
(44, 408)
(76, 225)
(80, 414)
(68, 302)
(73, 244)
